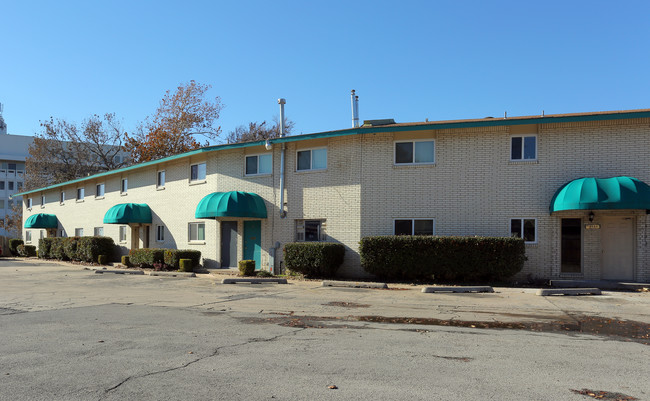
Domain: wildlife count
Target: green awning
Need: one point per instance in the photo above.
(602, 194)
(231, 204)
(126, 213)
(41, 220)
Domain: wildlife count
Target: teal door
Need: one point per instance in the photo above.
(252, 242)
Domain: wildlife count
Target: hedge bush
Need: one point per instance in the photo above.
(89, 248)
(186, 265)
(44, 247)
(126, 261)
(146, 257)
(319, 259)
(102, 259)
(13, 245)
(70, 246)
(26, 250)
(173, 256)
(86, 249)
(57, 250)
(445, 258)
(246, 267)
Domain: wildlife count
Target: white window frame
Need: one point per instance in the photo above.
(300, 230)
(198, 179)
(413, 220)
(62, 198)
(124, 186)
(189, 232)
(413, 162)
(523, 147)
(311, 159)
(103, 188)
(81, 194)
(258, 164)
(78, 232)
(522, 220)
(30, 203)
(97, 233)
(160, 233)
(28, 236)
(122, 234)
(42, 201)
(159, 174)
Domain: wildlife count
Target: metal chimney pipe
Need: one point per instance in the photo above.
(355, 109)
(282, 102)
(283, 214)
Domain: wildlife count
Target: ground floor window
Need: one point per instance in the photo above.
(160, 233)
(413, 227)
(197, 231)
(524, 228)
(28, 236)
(122, 233)
(309, 230)
(99, 231)
(78, 232)
(571, 250)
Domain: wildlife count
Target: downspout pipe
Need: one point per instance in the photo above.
(283, 213)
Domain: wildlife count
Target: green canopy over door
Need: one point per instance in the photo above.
(231, 204)
(602, 194)
(41, 220)
(126, 213)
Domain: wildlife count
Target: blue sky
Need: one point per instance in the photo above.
(407, 60)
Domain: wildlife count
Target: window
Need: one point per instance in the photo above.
(160, 233)
(160, 181)
(415, 152)
(259, 164)
(312, 159)
(2, 185)
(413, 227)
(11, 185)
(524, 228)
(122, 233)
(11, 166)
(2, 204)
(197, 231)
(62, 233)
(42, 200)
(124, 186)
(28, 236)
(62, 198)
(98, 232)
(309, 230)
(29, 203)
(117, 159)
(78, 232)
(81, 193)
(197, 172)
(42, 234)
(99, 190)
(523, 148)
(19, 186)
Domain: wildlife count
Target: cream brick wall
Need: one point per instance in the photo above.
(472, 189)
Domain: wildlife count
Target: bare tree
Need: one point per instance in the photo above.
(259, 131)
(13, 221)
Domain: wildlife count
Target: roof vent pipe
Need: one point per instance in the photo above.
(355, 109)
(283, 214)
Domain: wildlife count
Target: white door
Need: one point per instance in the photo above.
(618, 248)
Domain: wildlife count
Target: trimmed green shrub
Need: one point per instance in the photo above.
(126, 261)
(13, 245)
(89, 248)
(263, 273)
(146, 257)
(27, 250)
(246, 267)
(173, 256)
(57, 250)
(70, 246)
(445, 258)
(44, 247)
(186, 265)
(316, 259)
(102, 259)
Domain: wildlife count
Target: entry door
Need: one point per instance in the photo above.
(618, 248)
(228, 244)
(252, 242)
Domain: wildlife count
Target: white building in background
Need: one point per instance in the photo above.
(14, 149)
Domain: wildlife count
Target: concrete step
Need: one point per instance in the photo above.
(568, 291)
(458, 289)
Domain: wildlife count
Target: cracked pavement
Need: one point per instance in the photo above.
(69, 334)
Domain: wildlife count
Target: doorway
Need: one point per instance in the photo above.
(252, 242)
(571, 250)
(618, 248)
(228, 244)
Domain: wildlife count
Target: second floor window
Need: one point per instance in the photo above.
(415, 152)
(160, 180)
(99, 190)
(258, 164)
(197, 172)
(29, 203)
(62, 199)
(81, 192)
(125, 185)
(523, 148)
(312, 159)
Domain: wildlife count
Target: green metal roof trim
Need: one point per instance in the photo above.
(231, 204)
(126, 213)
(602, 194)
(485, 122)
(41, 220)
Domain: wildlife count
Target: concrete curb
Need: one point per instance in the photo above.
(173, 274)
(569, 291)
(254, 280)
(353, 284)
(138, 272)
(458, 289)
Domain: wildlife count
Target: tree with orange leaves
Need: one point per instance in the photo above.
(181, 117)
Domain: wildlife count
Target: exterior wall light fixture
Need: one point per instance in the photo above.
(591, 217)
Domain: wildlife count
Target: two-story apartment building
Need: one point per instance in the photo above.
(573, 186)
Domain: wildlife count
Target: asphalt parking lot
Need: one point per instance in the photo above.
(68, 333)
